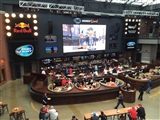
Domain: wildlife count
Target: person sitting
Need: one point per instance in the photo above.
(114, 70)
(94, 117)
(102, 116)
(94, 84)
(132, 113)
(64, 81)
(75, 80)
(53, 113)
(74, 117)
(105, 71)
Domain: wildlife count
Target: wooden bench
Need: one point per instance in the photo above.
(109, 113)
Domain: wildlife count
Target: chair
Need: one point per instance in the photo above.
(4, 106)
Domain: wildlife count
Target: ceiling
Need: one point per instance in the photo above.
(132, 2)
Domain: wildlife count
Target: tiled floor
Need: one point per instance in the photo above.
(14, 93)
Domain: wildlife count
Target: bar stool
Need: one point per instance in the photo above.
(11, 115)
(3, 108)
(23, 113)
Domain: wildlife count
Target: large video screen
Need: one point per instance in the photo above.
(80, 38)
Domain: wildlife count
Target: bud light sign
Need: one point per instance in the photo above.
(25, 50)
(131, 45)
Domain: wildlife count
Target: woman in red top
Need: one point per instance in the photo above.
(64, 81)
(132, 113)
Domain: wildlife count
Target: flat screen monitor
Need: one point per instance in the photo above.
(113, 55)
(106, 55)
(51, 49)
(80, 38)
(46, 61)
(50, 39)
(91, 56)
(57, 60)
(75, 57)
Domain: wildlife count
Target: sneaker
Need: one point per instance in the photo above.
(115, 108)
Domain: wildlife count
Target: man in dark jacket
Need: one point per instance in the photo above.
(141, 91)
(141, 112)
(120, 100)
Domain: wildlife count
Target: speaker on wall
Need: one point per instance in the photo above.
(117, 27)
(50, 27)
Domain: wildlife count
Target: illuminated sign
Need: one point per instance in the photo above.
(90, 21)
(22, 27)
(25, 50)
(131, 45)
(77, 20)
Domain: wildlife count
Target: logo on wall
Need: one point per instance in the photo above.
(77, 20)
(22, 27)
(131, 45)
(90, 21)
(25, 50)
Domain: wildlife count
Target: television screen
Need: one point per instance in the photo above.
(51, 49)
(91, 56)
(78, 38)
(75, 58)
(113, 37)
(50, 38)
(57, 60)
(112, 46)
(46, 61)
(99, 56)
(113, 54)
(106, 55)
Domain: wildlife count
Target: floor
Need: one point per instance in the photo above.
(14, 93)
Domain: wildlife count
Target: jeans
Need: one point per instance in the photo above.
(120, 102)
(148, 90)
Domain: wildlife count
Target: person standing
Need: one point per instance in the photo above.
(132, 113)
(45, 99)
(141, 91)
(120, 100)
(53, 113)
(141, 112)
(149, 86)
(42, 113)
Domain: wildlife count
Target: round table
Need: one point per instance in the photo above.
(16, 109)
(1, 103)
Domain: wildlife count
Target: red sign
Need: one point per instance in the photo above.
(22, 28)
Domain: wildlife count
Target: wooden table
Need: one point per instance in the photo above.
(108, 113)
(16, 109)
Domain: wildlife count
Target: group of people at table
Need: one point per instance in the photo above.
(49, 112)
